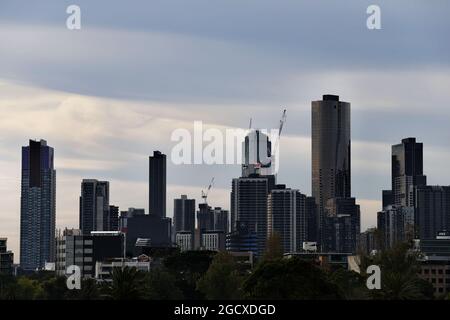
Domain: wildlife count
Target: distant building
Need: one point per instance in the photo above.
(94, 206)
(368, 241)
(113, 218)
(104, 269)
(205, 217)
(331, 153)
(37, 206)
(288, 217)
(388, 198)
(184, 214)
(243, 239)
(432, 205)
(209, 219)
(124, 215)
(407, 171)
(185, 240)
(435, 262)
(249, 197)
(157, 184)
(396, 225)
(6, 258)
(213, 240)
(341, 225)
(221, 219)
(74, 248)
(149, 226)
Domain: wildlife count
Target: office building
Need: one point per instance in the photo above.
(205, 217)
(213, 241)
(84, 251)
(184, 214)
(368, 241)
(6, 258)
(185, 240)
(242, 239)
(407, 171)
(105, 269)
(395, 225)
(94, 206)
(221, 219)
(435, 262)
(287, 217)
(331, 151)
(113, 218)
(341, 225)
(37, 206)
(249, 205)
(147, 226)
(432, 205)
(157, 184)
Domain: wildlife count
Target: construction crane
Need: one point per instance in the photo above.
(282, 121)
(205, 194)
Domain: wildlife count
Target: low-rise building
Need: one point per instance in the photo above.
(74, 248)
(104, 269)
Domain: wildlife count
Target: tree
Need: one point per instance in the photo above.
(187, 268)
(89, 291)
(127, 284)
(292, 279)
(222, 280)
(351, 285)
(28, 289)
(399, 274)
(160, 285)
(274, 249)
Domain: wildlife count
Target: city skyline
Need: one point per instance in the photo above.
(108, 133)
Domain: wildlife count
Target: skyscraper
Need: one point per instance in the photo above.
(94, 206)
(287, 217)
(341, 225)
(157, 184)
(331, 151)
(407, 171)
(396, 225)
(432, 208)
(249, 205)
(113, 218)
(37, 212)
(184, 214)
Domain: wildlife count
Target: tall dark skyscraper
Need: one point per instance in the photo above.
(331, 148)
(94, 206)
(38, 200)
(184, 214)
(157, 184)
(407, 171)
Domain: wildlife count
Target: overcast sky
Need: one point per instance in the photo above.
(109, 94)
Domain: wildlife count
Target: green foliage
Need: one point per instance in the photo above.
(291, 279)
(160, 285)
(274, 249)
(127, 284)
(222, 280)
(351, 285)
(399, 275)
(187, 268)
